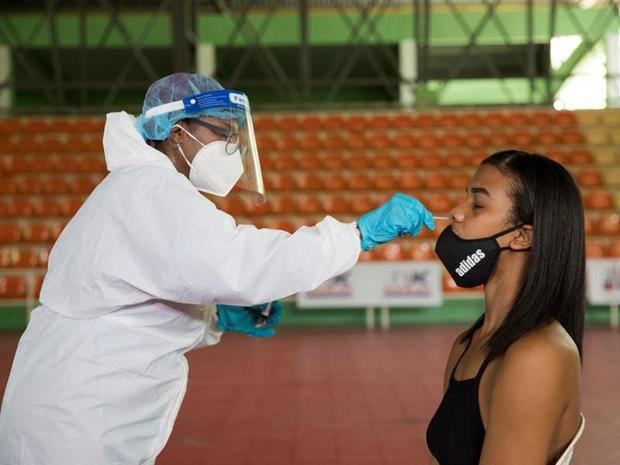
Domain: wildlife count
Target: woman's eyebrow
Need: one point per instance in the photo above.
(478, 190)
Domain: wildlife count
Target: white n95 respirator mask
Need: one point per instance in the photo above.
(215, 169)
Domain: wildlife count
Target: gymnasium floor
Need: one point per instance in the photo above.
(343, 397)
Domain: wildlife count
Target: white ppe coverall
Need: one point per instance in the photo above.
(99, 373)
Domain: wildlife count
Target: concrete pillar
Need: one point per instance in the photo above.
(6, 91)
(613, 70)
(205, 59)
(408, 67)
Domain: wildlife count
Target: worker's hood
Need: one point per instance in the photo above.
(123, 145)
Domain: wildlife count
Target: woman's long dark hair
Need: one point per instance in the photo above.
(544, 195)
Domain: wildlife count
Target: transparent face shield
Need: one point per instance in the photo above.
(227, 114)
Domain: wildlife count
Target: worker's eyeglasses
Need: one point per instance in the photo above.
(228, 133)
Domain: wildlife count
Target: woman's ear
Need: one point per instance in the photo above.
(523, 241)
(176, 135)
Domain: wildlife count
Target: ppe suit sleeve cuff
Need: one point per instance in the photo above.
(212, 333)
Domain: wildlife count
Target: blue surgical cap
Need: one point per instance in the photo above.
(168, 89)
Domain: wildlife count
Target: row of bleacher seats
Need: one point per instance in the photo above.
(327, 121)
(11, 164)
(341, 180)
(346, 202)
(44, 232)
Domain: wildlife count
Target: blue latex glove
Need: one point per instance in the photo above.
(248, 320)
(398, 216)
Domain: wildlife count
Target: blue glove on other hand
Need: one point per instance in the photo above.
(248, 320)
(398, 216)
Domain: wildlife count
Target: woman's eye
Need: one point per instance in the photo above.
(477, 206)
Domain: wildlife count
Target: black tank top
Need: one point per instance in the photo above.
(456, 433)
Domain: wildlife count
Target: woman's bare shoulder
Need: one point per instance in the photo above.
(547, 349)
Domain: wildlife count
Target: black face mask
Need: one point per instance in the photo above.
(470, 262)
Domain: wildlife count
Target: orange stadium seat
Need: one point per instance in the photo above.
(428, 141)
(598, 200)
(499, 140)
(359, 181)
(471, 120)
(382, 161)
(310, 142)
(547, 137)
(265, 142)
(390, 252)
(440, 203)
(406, 161)
(459, 181)
(380, 141)
(336, 205)
(595, 249)
(590, 178)
(37, 232)
(407, 121)
(265, 124)
(334, 122)
(579, 157)
(380, 121)
(283, 161)
(385, 182)
(69, 207)
(422, 251)
(8, 185)
(449, 120)
(308, 182)
(308, 161)
(357, 123)
(46, 208)
(494, 120)
(56, 185)
(288, 123)
(13, 287)
(334, 181)
(476, 140)
(279, 182)
(18, 207)
(309, 205)
(609, 225)
(286, 143)
(431, 160)
(451, 140)
(404, 141)
(67, 163)
(540, 119)
(409, 181)
(9, 233)
(332, 160)
(565, 118)
(83, 184)
(310, 123)
(358, 161)
(361, 204)
(614, 249)
(256, 208)
(572, 137)
(91, 164)
(282, 205)
(335, 142)
(436, 181)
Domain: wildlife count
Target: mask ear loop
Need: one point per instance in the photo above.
(180, 149)
(506, 231)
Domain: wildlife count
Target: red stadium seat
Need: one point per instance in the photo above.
(440, 203)
(56, 185)
(280, 182)
(46, 208)
(379, 141)
(425, 120)
(547, 137)
(494, 120)
(288, 123)
(459, 181)
(471, 120)
(308, 161)
(286, 143)
(572, 137)
(69, 207)
(256, 208)
(431, 161)
(404, 141)
(310, 123)
(380, 121)
(449, 120)
(8, 185)
(451, 140)
(67, 164)
(334, 122)
(407, 120)
(357, 123)
(565, 118)
(335, 142)
(580, 157)
(310, 142)
(540, 119)
(265, 124)
(477, 140)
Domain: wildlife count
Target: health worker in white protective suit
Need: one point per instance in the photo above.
(99, 373)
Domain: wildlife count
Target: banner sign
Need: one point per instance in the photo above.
(380, 284)
(603, 277)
